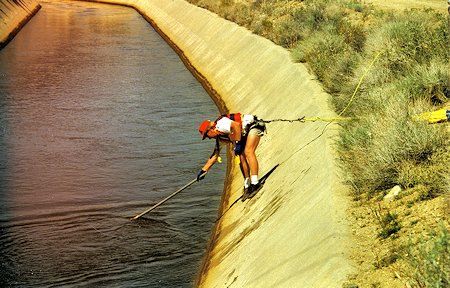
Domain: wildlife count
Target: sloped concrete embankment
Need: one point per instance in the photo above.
(293, 232)
(14, 14)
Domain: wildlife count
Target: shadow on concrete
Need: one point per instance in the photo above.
(262, 180)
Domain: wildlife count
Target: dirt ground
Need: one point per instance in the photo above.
(381, 262)
(438, 5)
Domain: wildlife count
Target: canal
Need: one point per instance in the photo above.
(98, 122)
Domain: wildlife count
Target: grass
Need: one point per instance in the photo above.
(431, 259)
(388, 222)
(384, 145)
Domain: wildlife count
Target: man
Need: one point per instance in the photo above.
(242, 130)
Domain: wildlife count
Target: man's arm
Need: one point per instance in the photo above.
(211, 161)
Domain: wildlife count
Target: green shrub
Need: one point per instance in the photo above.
(429, 82)
(329, 57)
(389, 225)
(263, 26)
(354, 35)
(288, 32)
(357, 6)
(313, 16)
(380, 147)
(428, 177)
(412, 38)
(409, 77)
(239, 13)
(430, 260)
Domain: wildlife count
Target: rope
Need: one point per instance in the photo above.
(339, 116)
(359, 83)
(301, 119)
(327, 119)
(304, 119)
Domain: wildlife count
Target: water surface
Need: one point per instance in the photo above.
(98, 121)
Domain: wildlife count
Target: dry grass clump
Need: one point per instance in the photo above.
(412, 75)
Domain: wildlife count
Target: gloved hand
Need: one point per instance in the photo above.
(238, 148)
(201, 175)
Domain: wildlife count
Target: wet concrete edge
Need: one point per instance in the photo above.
(19, 26)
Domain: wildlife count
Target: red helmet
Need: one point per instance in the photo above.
(203, 129)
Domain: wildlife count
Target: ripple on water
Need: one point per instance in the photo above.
(99, 122)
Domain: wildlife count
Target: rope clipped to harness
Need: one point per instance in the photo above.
(301, 119)
(304, 119)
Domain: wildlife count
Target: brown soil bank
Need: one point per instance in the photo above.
(15, 14)
(293, 232)
(438, 5)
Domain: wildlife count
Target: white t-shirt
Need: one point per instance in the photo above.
(224, 124)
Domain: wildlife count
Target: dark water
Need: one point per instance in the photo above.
(99, 121)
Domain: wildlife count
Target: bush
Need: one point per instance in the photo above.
(428, 177)
(388, 223)
(410, 39)
(428, 82)
(288, 32)
(379, 148)
(329, 57)
(430, 260)
(409, 77)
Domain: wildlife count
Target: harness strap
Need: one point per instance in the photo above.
(234, 117)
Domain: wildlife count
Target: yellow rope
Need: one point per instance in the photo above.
(326, 119)
(359, 83)
(351, 98)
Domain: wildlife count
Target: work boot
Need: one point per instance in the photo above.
(253, 189)
(245, 194)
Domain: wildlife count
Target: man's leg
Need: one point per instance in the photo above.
(244, 166)
(250, 148)
(245, 171)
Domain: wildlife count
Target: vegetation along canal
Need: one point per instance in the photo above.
(99, 121)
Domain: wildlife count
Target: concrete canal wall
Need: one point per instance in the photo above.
(14, 14)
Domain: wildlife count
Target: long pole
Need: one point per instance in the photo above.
(165, 199)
